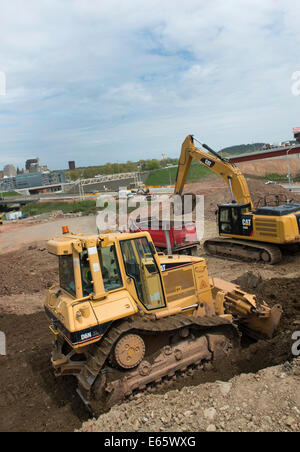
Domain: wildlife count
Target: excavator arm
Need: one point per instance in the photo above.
(218, 164)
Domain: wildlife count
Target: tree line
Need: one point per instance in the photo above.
(116, 168)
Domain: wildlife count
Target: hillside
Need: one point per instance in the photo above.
(272, 168)
(242, 148)
(167, 176)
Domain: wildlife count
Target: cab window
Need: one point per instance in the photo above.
(86, 274)
(225, 220)
(110, 268)
(66, 274)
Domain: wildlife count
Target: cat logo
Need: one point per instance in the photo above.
(207, 162)
(247, 223)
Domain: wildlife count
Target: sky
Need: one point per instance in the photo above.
(99, 81)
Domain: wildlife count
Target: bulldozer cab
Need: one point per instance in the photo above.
(95, 271)
(235, 219)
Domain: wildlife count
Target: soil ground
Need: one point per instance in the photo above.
(272, 166)
(32, 399)
(265, 401)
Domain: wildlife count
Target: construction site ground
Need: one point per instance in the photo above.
(258, 389)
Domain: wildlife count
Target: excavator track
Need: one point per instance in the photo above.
(182, 344)
(241, 250)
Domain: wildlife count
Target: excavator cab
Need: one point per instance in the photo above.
(235, 219)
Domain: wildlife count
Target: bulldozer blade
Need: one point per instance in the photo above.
(262, 327)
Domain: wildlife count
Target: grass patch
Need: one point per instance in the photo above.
(167, 176)
(276, 177)
(9, 193)
(38, 208)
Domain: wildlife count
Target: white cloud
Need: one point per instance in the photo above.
(134, 77)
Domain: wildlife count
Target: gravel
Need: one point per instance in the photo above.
(266, 401)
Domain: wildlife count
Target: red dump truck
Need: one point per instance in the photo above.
(167, 237)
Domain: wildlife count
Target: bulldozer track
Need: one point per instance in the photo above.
(240, 250)
(140, 378)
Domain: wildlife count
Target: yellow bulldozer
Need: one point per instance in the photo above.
(125, 317)
(245, 232)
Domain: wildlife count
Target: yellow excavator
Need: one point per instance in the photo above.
(245, 232)
(125, 318)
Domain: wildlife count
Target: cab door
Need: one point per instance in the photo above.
(141, 268)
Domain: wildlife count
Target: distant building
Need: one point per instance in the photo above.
(31, 180)
(30, 162)
(34, 166)
(72, 165)
(7, 184)
(9, 171)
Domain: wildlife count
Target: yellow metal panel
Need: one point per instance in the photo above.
(116, 306)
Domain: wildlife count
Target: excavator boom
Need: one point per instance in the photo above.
(219, 165)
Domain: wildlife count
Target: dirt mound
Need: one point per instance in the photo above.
(216, 192)
(277, 290)
(28, 270)
(259, 190)
(273, 166)
(266, 401)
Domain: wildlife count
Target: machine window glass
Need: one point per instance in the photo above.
(225, 221)
(224, 215)
(235, 214)
(141, 267)
(66, 274)
(110, 268)
(86, 274)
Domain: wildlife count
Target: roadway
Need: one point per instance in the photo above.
(295, 188)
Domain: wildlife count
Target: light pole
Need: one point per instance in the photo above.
(288, 165)
(170, 176)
